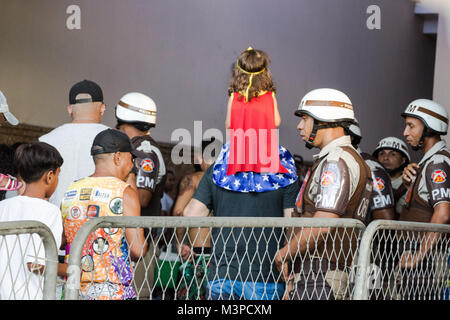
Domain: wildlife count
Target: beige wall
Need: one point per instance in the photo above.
(441, 90)
(180, 53)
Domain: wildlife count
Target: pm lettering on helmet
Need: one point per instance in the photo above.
(411, 109)
(396, 145)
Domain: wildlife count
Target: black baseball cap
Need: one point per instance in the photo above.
(86, 87)
(111, 141)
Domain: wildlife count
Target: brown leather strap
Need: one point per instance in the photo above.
(137, 109)
(433, 114)
(327, 103)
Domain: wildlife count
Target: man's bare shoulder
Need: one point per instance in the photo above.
(193, 178)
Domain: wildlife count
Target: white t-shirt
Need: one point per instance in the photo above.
(74, 142)
(16, 281)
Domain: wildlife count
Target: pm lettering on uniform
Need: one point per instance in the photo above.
(441, 193)
(326, 200)
(382, 201)
(145, 182)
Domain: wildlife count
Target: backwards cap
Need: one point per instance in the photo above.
(85, 87)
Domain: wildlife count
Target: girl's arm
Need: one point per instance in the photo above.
(277, 117)
(228, 120)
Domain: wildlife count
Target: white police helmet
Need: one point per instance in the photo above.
(433, 115)
(136, 107)
(327, 105)
(394, 144)
(330, 106)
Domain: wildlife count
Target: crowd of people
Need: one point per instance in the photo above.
(83, 170)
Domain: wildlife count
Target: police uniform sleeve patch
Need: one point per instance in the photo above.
(438, 183)
(147, 165)
(334, 187)
(148, 168)
(382, 196)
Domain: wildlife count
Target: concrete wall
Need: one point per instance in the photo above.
(180, 53)
(441, 89)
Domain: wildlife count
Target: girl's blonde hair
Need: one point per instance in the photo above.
(251, 75)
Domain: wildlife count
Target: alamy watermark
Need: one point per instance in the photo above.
(250, 146)
(73, 21)
(373, 22)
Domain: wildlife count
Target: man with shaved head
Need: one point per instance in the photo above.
(74, 140)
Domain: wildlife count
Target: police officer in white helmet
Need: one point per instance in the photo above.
(136, 115)
(338, 186)
(428, 198)
(382, 198)
(393, 155)
(429, 185)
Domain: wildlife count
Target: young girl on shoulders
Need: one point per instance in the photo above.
(253, 155)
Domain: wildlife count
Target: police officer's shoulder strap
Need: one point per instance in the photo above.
(358, 158)
(335, 154)
(444, 153)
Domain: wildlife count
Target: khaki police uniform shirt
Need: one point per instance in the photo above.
(434, 183)
(336, 178)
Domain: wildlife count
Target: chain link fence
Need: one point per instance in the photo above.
(214, 258)
(28, 261)
(231, 258)
(404, 261)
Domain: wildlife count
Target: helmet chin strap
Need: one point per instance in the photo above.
(419, 145)
(316, 127)
(309, 143)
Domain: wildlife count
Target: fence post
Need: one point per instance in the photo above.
(51, 251)
(361, 291)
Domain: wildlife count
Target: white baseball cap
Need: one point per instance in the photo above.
(5, 110)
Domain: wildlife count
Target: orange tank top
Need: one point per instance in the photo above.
(105, 256)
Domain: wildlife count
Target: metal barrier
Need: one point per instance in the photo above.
(345, 261)
(18, 244)
(240, 266)
(404, 261)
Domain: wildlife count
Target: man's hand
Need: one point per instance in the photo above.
(409, 260)
(185, 252)
(282, 264)
(283, 267)
(409, 174)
